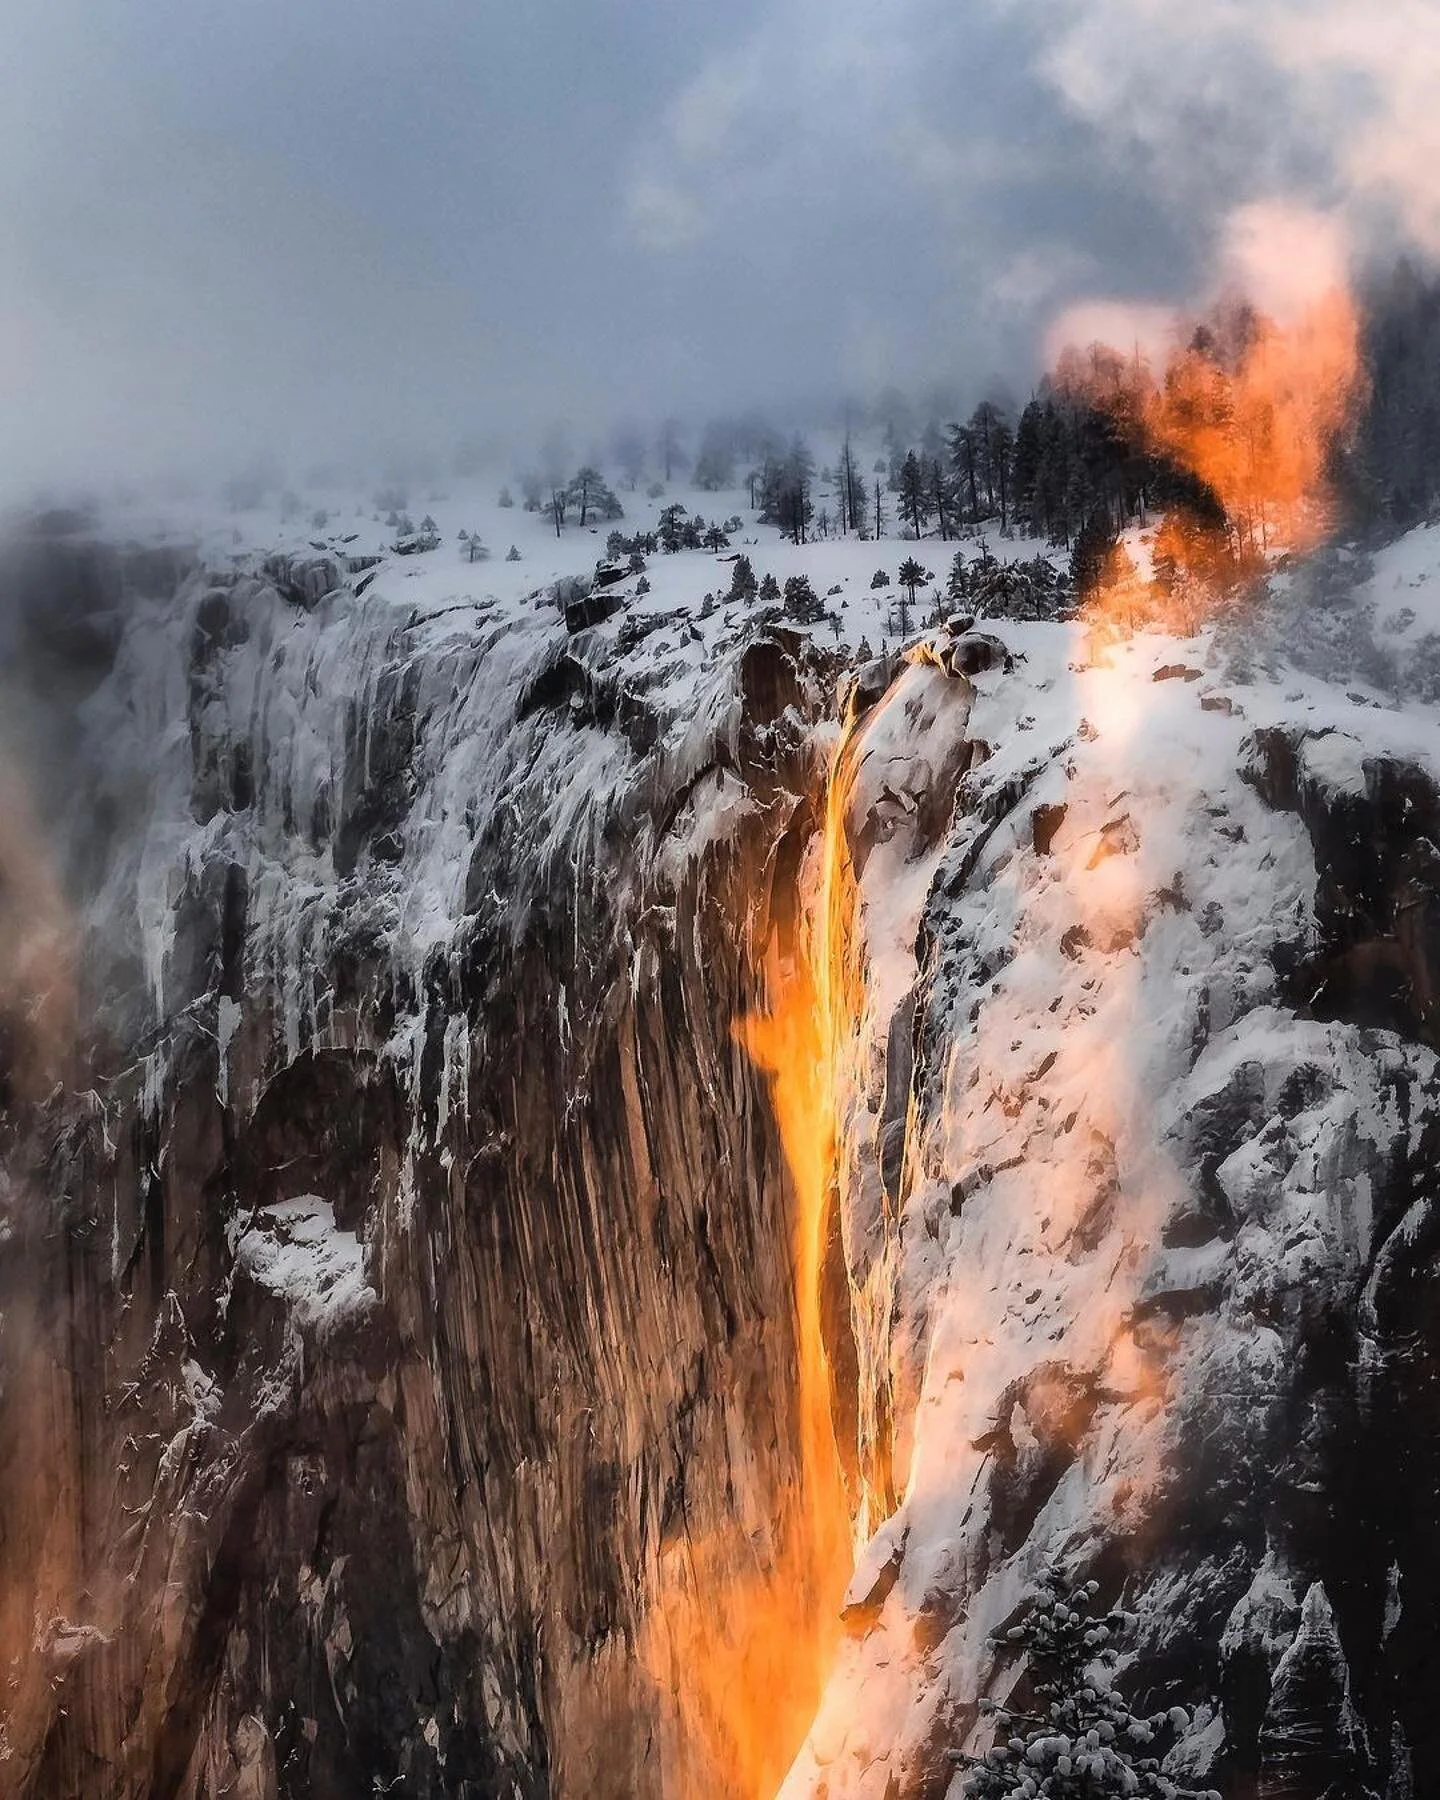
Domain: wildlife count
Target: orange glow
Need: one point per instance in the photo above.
(742, 1634)
(1252, 409)
(1254, 419)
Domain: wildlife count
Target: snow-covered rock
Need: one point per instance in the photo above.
(396, 1276)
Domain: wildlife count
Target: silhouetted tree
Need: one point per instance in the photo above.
(914, 502)
(590, 492)
(1093, 544)
(743, 585)
(715, 459)
(672, 457)
(629, 453)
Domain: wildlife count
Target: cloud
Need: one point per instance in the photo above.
(1327, 104)
(326, 227)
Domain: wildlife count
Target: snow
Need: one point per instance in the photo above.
(295, 1251)
(1087, 1009)
(1091, 1008)
(1406, 580)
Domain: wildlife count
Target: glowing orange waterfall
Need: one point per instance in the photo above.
(754, 1629)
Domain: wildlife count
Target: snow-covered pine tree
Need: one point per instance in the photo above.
(743, 585)
(1080, 1740)
(802, 603)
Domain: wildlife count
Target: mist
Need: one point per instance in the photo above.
(324, 233)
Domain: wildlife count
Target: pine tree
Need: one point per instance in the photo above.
(715, 459)
(940, 497)
(962, 460)
(743, 585)
(1002, 449)
(1025, 465)
(880, 579)
(914, 501)
(802, 603)
(794, 506)
(589, 491)
(850, 492)
(1093, 544)
(1080, 1741)
(628, 449)
(668, 450)
(769, 590)
(910, 575)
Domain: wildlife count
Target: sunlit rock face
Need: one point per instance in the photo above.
(396, 1268)
(1157, 1245)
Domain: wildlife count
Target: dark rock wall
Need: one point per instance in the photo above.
(399, 1261)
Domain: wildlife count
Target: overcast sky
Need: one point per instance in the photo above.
(318, 225)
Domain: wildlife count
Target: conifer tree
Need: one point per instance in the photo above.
(743, 585)
(850, 492)
(914, 501)
(1078, 1739)
(590, 492)
(1092, 548)
(802, 603)
(909, 575)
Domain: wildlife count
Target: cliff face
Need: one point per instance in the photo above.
(401, 1270)
(1154, 1213)
(398, 1265)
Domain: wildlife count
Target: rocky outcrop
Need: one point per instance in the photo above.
(397, 1320)
(401, 1268)
(1311, 1741)
(1144, 1191)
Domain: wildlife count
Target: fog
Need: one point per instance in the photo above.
(319, 231)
